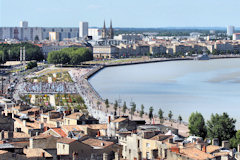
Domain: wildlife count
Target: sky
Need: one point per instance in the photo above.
(124, 13)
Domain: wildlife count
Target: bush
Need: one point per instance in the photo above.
(32, 64)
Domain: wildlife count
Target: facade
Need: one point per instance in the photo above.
(105, 52)
(83, 29)
(129, 37)
(95, 33)
(230, 30)
(54, 36)
(26, 33)
(236, 36)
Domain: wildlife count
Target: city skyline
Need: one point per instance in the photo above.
(137, 14)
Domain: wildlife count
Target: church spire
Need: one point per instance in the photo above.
(104, 31)
(111, 33)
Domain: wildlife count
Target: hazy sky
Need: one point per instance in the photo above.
(124, 13)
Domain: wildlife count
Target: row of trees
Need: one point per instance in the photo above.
(219, 126)
(73, 56)
(11, 52)
(133, 109)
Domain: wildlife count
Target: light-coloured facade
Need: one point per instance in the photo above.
(53, 36)
(83, 29)
(236, 36)
(230, 30)
(105, 52)
(25, 33)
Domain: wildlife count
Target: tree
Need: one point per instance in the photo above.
(31, 64)
(221, 127)
(106, 103)
(180, 119)
(234, 141)
(124, 107)
(170, 115)
(160, 115)
(133, 108)
(197, 125)
(72, 55)
(115, 107)
(2, 57)
(150, 115)
(142, 110)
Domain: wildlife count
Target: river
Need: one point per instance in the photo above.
(183, 87)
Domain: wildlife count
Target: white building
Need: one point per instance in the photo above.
(25, 33)
(230, 30)
(54, 36)
(83, 29)
(96, 33)
(23, 24)
(236, 36)
(129, 37)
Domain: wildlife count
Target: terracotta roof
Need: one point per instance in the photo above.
(60, 132)
(17, 134)
(95, 126)
(212, 148)
(3, 151)
(195, 153)
(160, 137)
(68, 128)
(221, 154)
(31, 110)
(36, 152)
(97, 143)
(119, 119)
(66, 140)
(74, 115)
(42, 136)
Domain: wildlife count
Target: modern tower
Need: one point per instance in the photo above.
(83, 29)
(230, 30)
(23, 24)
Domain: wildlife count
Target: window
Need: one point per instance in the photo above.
(63, 146)
(68, 121)
(138, 143)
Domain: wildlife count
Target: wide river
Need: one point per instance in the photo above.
(183, 87)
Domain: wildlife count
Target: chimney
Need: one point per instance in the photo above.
(204, 148)
(109, 119)
(102, 144)
(30, 142)
(225, 144)
(98, 134)
(2, 135)
(24, 123)
(43, 154)
(36, 133)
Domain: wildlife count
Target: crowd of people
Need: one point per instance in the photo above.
(55, 87)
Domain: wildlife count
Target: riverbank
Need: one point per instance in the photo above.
(183, 129)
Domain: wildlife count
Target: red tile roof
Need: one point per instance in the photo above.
(60, 132)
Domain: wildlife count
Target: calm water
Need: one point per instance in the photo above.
(181, 86)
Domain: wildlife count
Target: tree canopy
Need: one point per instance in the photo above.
(221, 127)
(197, 125)
(12, 52)
(72, 55)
